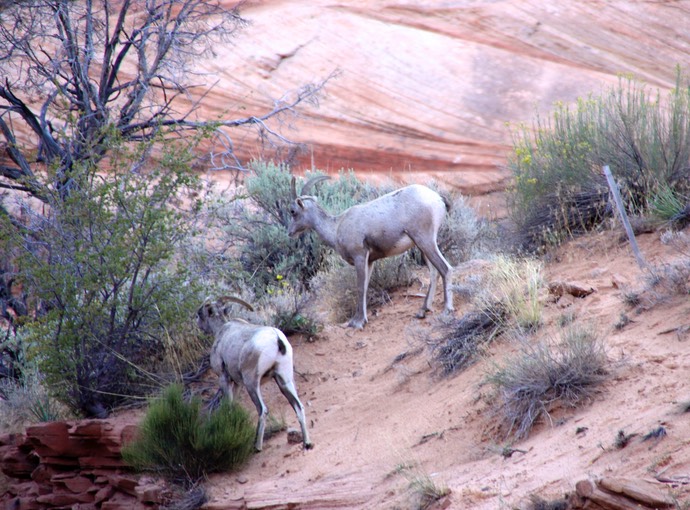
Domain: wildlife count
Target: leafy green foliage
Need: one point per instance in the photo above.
(101, 265)
(558, 188)
(177, 439)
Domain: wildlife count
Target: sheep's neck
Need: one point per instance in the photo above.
(327, 227)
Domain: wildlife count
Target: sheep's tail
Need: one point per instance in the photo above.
(447, 201)
(281, 346)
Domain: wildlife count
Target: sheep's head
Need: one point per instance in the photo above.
(301, 205)
(213, 314)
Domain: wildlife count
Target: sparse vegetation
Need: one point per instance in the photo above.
(422, 486)
(517, 285)
(427, 490)
(509, 301)
(545, 373)
(176, 438)
(622, 439)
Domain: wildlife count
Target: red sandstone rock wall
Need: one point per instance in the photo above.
(73, 465)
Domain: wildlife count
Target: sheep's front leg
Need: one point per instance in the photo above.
(363, 267)
(433, 277)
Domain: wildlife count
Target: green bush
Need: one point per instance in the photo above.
(178, 440)
(558, 187)
(100, 265)
(530, 384)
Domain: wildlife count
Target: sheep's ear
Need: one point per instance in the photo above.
(293, 187)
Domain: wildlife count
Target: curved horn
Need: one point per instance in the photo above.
(293, 188)
(234, 299)
(311, 182)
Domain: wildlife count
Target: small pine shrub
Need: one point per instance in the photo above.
(670, 207)
(541, 375)
(178, 440)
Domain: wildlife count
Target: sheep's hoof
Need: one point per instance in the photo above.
(356, 323)
(308, 446)
(421, 314)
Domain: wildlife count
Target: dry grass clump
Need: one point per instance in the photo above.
(559, 216)
(509, 301)
(422, 485)
(460, 342)
(545, 374)
(27, 402)
(516, 284)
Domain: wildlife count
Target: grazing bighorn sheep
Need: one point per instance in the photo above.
(244, 353)
(386, 226)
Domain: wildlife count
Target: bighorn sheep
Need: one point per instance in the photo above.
(244, 353)
(386, 226)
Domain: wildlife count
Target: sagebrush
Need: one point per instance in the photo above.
(558, 188)
(544, 374)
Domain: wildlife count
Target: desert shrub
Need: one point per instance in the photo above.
(291, 312)
(670, 207)
(558, 189)
(545, 374)
(27, 401)
(100, 264)
(509, 301)
(421, 485)
(457, 343)
(176, 438)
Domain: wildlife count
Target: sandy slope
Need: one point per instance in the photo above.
(371, 416)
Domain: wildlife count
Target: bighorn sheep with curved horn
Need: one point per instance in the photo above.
(244, 353)
(386, 226)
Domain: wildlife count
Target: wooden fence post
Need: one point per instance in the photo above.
(624, 218)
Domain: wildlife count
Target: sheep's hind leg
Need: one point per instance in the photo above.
(436, 260)
(255, 394)
(287, 388)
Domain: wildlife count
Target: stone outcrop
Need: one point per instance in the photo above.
(611, 493)
(73, 465)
